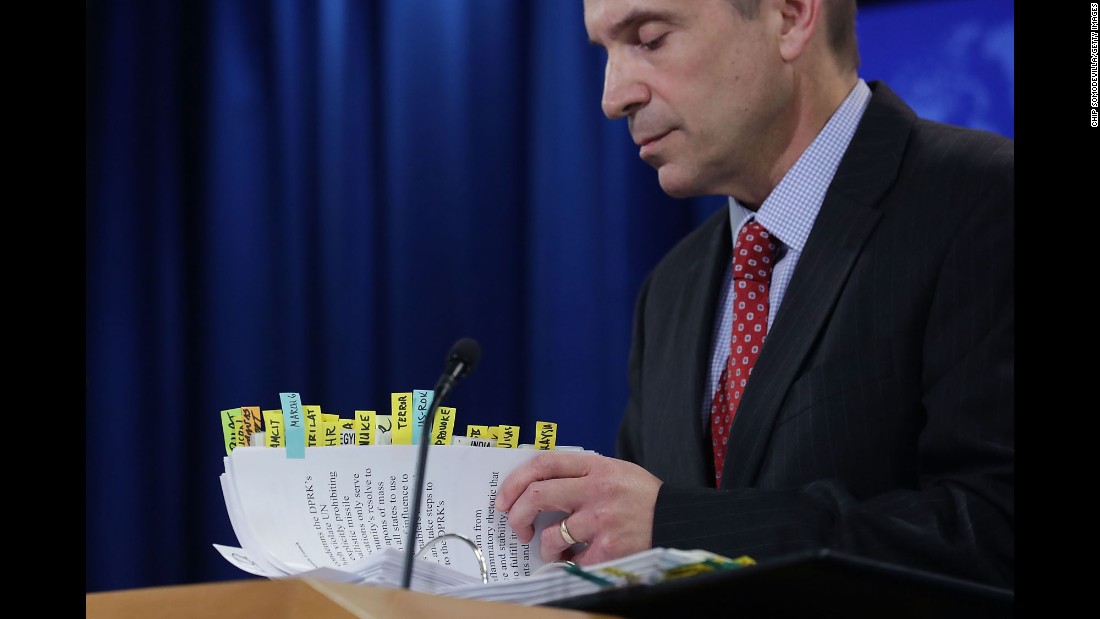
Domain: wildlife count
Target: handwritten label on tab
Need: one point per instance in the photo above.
(251, 422)
(422, 403)
(314, 425)
(474, 431)
(383, 429)
(330, 436)
(295, 425)
(546, 435)
(273, 428)
(364, 426)
(401, 410)
(231, 428)
(443, 426)
(507, 436)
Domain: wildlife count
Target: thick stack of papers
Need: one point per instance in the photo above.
(342, 513)
(338, 506)
(556, 583)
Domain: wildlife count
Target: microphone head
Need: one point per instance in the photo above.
(466, 352)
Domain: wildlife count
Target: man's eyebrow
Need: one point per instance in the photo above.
(635, 18)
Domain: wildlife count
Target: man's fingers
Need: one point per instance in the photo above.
(607, 503)
(551, 495)
(590, 546)
(540, 468)
(552, 545)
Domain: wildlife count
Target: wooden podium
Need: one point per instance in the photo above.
(819, 583)
(303, 598)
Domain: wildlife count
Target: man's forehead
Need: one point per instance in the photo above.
(606, 18)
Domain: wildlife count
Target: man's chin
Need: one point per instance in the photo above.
(675, 183)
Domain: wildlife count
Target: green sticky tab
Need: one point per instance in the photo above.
(576, 571)
(232, 423)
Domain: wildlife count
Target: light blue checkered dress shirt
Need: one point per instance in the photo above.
(788, 213)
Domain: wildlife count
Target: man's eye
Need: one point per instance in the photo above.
(652, 43)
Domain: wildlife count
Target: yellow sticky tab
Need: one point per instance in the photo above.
(507, 436)
(315, 424)
(273, 428)
(347, 432)
(330, 437)
(626, 577)
(364, 427)
(232, 425)
(401, 411)
(546, 435)
(250, 417)
(473, 431)
(443, 425)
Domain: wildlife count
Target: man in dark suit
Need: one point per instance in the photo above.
(879, 417)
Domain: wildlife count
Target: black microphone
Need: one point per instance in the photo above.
(461, 361)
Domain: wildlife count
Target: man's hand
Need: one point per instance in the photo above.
(609, 502)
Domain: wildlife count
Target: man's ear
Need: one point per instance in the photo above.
(800, 19)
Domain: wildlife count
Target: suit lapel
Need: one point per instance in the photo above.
(701, 284)
(848, 215)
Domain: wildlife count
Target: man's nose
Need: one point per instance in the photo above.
(623, 93)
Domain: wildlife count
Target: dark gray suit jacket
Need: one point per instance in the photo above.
(879, 418)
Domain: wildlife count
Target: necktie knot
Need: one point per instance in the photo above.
(754, 253)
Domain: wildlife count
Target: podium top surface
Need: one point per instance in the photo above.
(303, 598)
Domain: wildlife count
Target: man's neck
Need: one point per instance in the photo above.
(814, 104)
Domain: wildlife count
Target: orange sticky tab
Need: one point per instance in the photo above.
(252, 422)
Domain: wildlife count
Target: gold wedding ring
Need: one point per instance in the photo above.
(565, 533)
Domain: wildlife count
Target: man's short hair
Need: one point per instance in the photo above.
(840, 23)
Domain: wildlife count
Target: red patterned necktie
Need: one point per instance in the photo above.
(753, 259)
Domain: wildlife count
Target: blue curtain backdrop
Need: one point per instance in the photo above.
(322, 197)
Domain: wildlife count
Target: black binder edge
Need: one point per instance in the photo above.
(813, 583)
